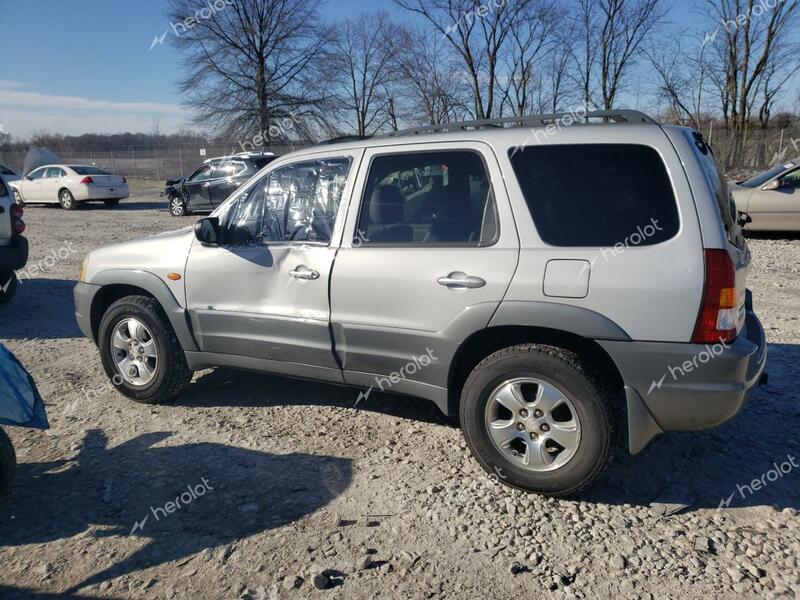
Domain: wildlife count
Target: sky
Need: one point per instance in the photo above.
(78, 66)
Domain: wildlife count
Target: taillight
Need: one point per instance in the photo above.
(718, 314)
(16, 219)
(87, 180)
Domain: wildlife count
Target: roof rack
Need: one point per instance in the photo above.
(344, 138)
(608, 116)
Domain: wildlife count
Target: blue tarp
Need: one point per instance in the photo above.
(20, 402)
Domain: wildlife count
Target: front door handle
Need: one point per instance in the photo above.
(459, 280)
(303, 272)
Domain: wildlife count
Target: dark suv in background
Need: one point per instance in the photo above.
(212, 182)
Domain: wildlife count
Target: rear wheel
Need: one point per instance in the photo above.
(8, 463)
(140, 352)
(111, 202)
(8, 286)
(535, 417)
(67, 200)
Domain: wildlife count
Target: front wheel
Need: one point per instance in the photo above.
(8, 463)
(140, 352)
(8, 286)
(67, 200)
(537, 419)
(177, 207)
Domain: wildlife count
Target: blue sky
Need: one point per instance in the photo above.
(75, 66)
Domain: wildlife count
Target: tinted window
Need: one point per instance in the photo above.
(791, 180)
(89, 170)
(297, 203)
(428, 198)
(596, 195)
(262, 162)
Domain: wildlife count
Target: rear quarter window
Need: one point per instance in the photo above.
(597, 194)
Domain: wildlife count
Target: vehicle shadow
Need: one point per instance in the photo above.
(127, 205)
(716, 468)
(774, 235)
(48, 313)
(262, 390)
(173, 501)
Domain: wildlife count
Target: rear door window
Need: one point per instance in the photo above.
(597, 194)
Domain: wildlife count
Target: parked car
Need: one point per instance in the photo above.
(772, 198)
(71, 186)
(465, 264)
(13, 247)
(211, 184)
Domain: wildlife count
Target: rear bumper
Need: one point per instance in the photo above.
(84, 294)
(15, 255)
(688, 387)
(91, 192)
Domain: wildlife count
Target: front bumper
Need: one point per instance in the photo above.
(84, 295)
(688, 387)
(15, 255)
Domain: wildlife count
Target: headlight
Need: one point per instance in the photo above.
(83, 269)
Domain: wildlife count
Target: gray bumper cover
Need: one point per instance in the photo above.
(688, 387)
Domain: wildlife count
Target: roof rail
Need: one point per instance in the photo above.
(608, 116)
(344, 138)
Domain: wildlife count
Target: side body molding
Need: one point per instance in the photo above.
(563, 317)
(155, 286)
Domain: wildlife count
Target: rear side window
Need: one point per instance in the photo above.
(597, 194)
(428, 199)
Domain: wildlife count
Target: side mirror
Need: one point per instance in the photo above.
(207, 231)
(775, 184)
(744, 219)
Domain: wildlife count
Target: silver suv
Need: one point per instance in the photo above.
(538, 277)
(13, 247)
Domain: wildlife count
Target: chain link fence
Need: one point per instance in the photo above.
(147, 163)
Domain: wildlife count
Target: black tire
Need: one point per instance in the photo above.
(18, 199)
(8, 286)
(8, 463)
(172, 373)
(111, 202)
(595, 404)
(177, 207)
(67, 200)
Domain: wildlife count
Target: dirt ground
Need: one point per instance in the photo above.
(274, 481)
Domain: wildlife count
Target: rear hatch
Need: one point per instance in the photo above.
(726, 207)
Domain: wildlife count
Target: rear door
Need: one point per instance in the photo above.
(429, 252)
(52, 182)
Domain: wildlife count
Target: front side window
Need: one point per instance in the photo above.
(202, 174)
(296, 203)
(791, 180)
(597, 194)
(428, 198)
(37, 174)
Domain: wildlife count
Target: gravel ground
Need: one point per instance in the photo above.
(284, 487)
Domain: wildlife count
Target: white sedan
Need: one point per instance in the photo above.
(71, 186)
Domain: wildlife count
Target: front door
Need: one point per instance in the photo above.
(31, 186)
(263, 293)
(432, 253)
(196, 188)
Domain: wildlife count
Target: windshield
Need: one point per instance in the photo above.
(764, 177)
(89, 170)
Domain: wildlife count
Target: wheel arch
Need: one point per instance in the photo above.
(482, 343)
(121, 283)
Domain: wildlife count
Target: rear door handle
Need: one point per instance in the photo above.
(459, 280)
(303, 272)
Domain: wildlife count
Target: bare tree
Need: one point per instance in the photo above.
(250, 63)
(612, 33)
(747, 37)
(477, 33)
(362, 63)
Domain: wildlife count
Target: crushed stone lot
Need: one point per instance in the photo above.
(253, 486)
